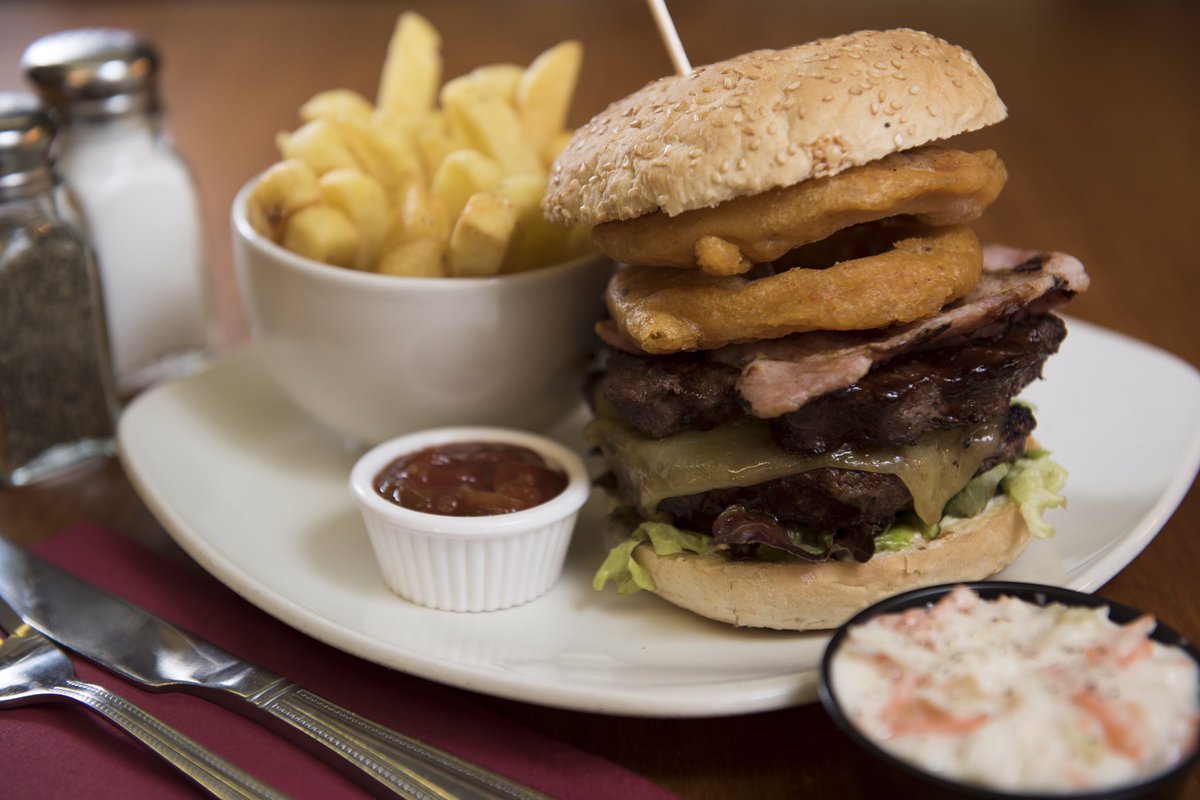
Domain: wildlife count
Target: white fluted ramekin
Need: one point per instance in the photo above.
(470, 563)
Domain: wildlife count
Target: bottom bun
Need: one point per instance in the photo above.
(802, 595)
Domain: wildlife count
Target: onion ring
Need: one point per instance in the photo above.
(667, 310)
(935, 185)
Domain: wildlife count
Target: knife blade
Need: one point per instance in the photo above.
(143, 648)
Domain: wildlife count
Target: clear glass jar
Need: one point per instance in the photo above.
(138, 200)
(57, 399)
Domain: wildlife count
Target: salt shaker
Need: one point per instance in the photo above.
(57, 400)
(137, 196)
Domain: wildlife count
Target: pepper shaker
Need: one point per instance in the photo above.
(136, 194)
(57, 401)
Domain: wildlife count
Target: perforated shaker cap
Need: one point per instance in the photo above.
(92, 73)
(26, 135)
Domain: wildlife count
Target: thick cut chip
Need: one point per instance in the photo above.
(419, 258)
(320, 144)
(462, 174)
(336, 104)
(361, 198)
(535, 241)
(282, 190)
(490, 125)
(322, 233)
(543, 95)
(412, 69)
(480, 236)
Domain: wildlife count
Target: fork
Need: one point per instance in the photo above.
(34, 669)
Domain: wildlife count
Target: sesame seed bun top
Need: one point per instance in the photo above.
(766, 119)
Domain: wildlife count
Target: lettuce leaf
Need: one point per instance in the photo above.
(976, 494)
(622, 568)
(1034, 483)
(901, 533)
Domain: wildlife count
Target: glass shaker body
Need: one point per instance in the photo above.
(142, 215)
(137, 197)
(57, 401)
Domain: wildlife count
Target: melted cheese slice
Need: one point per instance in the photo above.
(742, 453)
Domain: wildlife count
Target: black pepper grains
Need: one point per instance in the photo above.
(56, 398)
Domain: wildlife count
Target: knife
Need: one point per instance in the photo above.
(146, 649)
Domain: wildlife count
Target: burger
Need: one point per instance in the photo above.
(808, 401)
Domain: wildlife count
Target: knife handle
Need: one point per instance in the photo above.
(407, 767)
(206, 768)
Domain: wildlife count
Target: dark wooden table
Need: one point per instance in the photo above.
(1104, 101)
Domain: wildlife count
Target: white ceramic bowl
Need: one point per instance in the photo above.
(470, 563)
(373, 356)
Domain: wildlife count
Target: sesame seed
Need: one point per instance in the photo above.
(933, 110)
(899, 140)
(914, 89)
(741, 164)
(780, 158)
(827, 98)
(856, 90)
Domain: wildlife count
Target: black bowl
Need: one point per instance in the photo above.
(886, 775)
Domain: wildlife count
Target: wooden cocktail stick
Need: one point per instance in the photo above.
(666, 28)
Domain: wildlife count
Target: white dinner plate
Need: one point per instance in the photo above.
(257, 494)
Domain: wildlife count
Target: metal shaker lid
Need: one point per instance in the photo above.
(26, 134)
(91, 73)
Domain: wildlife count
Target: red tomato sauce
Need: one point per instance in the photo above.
(470, 479)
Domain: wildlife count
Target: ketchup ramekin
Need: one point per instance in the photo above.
(484, 563)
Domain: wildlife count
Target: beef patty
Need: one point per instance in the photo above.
(924, 391)
(846, 502)
(955, 384)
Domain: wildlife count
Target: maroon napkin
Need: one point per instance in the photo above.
(64, 751)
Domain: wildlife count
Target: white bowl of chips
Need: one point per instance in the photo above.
(395, 266)
(372, 356)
